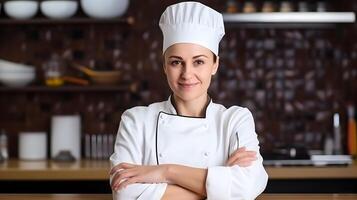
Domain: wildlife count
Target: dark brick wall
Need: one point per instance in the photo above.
(292, 78)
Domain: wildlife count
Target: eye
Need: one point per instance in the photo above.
(199, 62)
(175, 62)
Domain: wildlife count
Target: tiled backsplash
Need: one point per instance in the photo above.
(292, 79)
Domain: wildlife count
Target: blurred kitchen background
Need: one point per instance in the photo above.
(297, 78)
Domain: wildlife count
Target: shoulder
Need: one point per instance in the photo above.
(236, 115)
(238, 111)
(142, 113)
(232, 112)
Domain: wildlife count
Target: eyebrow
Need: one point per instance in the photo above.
(178, 57)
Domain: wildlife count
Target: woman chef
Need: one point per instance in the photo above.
(188, 147)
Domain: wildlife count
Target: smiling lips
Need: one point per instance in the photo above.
(187, 85)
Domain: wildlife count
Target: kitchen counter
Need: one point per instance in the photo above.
(109, 197)
(88, 176)
(50, 170)
(98, 170)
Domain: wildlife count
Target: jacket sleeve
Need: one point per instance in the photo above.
(129, 148)
(239, 182)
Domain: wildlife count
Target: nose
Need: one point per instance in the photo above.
(187, 71)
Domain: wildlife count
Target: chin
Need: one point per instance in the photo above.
(187, 96)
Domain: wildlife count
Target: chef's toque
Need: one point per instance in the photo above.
(192, 22)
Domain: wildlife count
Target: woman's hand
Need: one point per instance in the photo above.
(126, 174)
(242, 157)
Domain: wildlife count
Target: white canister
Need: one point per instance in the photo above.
(66, 135)
(32, 146)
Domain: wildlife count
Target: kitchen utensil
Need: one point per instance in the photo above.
(100, 77)
(66, 135)
(32, 145)
(104, 8)
(57, 9)
(94, 146)
(75, 80)
(21, 9)
(4, 153)
(337, 134)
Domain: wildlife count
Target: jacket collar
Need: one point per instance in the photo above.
(172, 110)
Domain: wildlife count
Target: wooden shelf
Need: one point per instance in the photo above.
(291, 17)
(98, 170)
(92, 88)
(78, 20)
(304, 20)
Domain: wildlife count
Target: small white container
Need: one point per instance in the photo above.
(59, 9)
(21, 9)
(66, 135)
(32, 146)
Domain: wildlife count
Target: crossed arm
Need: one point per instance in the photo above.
(183, 182)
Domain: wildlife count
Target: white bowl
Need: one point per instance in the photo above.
(7, 66)
(21, 9)
(17, 79)
(59, 9)
(104, 8)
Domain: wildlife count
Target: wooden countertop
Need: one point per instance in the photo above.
(49, 170)
(109, 197)
(98, 170)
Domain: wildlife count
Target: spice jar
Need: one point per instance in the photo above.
(286, 6)
(303, 6)
(231, 6)
(268, 6)
(249, 7)
(53, 71)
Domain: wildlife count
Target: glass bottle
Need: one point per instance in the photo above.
(53, 71)
(351, 132)
(4, 154)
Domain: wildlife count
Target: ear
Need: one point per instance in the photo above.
(215, 66)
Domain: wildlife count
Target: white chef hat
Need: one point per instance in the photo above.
(192, 22)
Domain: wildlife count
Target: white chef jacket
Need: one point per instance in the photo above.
(155, 134)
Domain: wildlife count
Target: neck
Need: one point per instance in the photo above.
(192, 108)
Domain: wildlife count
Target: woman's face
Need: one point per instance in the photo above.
(189, 68)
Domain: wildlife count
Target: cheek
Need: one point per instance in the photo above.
(206, 75)
(171, 75)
